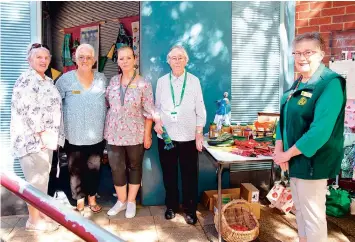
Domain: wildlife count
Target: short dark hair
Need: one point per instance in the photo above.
(310, 36)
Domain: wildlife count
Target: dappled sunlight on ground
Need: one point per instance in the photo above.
(150, 225)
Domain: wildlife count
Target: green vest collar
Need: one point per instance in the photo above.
(316, 76)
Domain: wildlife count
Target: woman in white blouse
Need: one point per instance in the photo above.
(181, 110)
(36, 127)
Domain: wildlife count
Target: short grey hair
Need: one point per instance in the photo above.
(31, 51)
(178, 47)
(316, 36)
(83, 46)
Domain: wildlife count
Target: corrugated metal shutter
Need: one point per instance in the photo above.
(255, 59)
(70, 14)
(15, 32)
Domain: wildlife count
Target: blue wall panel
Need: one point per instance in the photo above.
(204, 29)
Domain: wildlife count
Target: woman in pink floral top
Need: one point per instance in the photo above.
(128, 129)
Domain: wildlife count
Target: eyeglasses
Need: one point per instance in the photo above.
(306, 54)
(87, 58)
(37, 45)
(175, 59)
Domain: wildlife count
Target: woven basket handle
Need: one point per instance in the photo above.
(241, 203)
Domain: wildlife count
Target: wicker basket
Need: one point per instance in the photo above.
(237, 212)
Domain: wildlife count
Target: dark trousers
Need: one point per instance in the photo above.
(185, 154)
(84, 167)
(123, 160)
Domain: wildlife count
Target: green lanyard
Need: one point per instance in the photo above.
(182, 91)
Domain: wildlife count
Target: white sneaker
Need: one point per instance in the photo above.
(131, 210)
(118, 207)
(41, 226)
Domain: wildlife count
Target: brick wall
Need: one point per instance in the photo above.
(335, 20)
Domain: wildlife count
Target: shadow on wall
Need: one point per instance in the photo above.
(195, 26)
(204, 29)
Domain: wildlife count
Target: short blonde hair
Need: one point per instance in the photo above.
(83, 46)
(178, 47)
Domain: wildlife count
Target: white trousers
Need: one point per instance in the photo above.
(309, 198)
(36, 168)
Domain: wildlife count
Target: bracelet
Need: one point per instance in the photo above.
(199, 132)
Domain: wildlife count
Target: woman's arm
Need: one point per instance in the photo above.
(148, 112)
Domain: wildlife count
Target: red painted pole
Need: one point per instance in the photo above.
(84, 228)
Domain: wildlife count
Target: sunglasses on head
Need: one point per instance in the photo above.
(37, 45)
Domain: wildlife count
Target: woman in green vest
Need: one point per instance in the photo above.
(310, 134)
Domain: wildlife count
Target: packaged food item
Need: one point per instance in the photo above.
(234, 126)
(226, 129)
(247, 132)
(213, 131)
(237, 131)
(260, 133)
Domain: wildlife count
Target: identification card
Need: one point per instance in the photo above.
(173, 116)
(75, 92)
(306, 94)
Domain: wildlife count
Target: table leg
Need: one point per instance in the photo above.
(220, 169)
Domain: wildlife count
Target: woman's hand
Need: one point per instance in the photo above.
(284, 166)
(199, 142)
(281, 157)
(158, 127)
(147, 141)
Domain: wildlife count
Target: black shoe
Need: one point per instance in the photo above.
(169, 214)
(191, 218)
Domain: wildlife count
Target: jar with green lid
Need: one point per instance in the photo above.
(226, 129)
(234, 127)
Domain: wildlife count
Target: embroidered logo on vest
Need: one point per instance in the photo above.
(302, 101)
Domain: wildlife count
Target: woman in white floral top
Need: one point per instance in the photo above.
(36, 127)
(128, 129)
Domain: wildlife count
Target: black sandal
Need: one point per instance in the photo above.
(95, 208)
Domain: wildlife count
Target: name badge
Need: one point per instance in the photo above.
(306, 94)
(173, 116)
(75, 92)
(132, 86)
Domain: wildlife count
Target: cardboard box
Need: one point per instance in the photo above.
(207, 196)
(249, 192)
(254, 207)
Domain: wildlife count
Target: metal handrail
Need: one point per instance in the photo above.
(82, 227)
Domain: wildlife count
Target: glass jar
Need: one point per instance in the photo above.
(213, 131)
(226, 129)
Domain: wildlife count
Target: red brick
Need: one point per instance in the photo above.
(350, 9)
(302, 7)
(321, 5)
(302, 2)
(331, 27)
(301, 23)
(344, 18)
(342, 3)
(309, 14)
(350, 25)
(333, 11)
(326, 59)
(319, 21)
(326, 37)
(307, 29)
